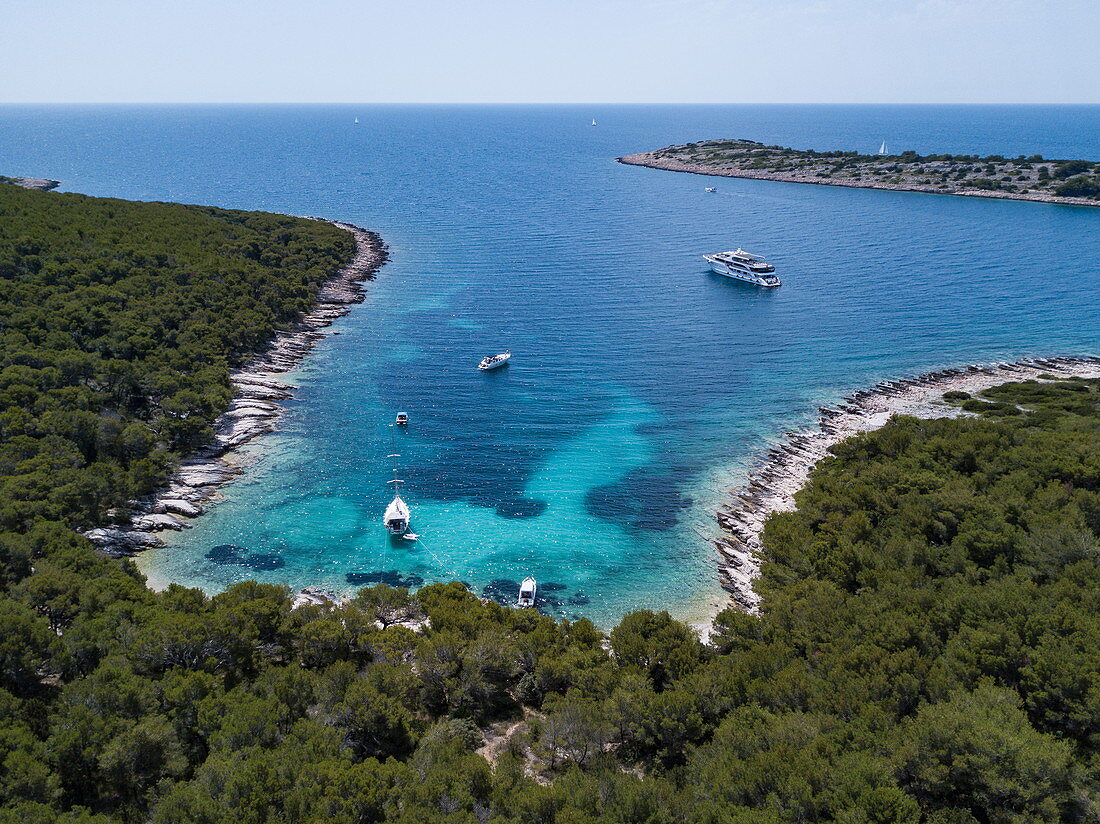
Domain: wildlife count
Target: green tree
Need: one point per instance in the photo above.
(662, 648)
(977, 751)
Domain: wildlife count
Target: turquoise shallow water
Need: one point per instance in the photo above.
(641, 385)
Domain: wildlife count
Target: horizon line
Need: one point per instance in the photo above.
(527, 103)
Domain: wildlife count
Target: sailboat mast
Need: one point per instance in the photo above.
(393, 457)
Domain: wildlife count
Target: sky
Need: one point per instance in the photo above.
(543, 51)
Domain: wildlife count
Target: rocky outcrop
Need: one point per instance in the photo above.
(155, 523)
(121, 541)
(784, 468)
(39, 183)
(254, 411)
(178, 506)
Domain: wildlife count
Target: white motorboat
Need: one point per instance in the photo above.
(402, 419)
(494, 361)
(741, 265)
(711, 189)
(527, 591)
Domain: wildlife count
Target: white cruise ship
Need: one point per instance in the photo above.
(740, 265)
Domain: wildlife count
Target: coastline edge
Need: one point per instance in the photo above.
(784, 469)
(648, 161)
(254, 410)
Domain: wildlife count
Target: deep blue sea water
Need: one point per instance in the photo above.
(641, 385)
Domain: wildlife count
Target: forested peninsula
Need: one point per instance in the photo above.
(926, 649)
(119, 323)
(1033, 177)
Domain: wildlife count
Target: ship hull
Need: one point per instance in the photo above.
(735, 274)
(396, 519)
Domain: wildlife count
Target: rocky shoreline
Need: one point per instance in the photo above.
(649, 160)
(40, 183)
(785, 468)
(254, 411)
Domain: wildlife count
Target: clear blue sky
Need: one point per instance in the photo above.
(710, 51)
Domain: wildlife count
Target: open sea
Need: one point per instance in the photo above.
(641, 386)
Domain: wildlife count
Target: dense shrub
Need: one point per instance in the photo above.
(1080, 186)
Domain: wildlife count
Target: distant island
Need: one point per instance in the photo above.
(1075, 182)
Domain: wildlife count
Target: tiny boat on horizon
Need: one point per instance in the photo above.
(593, 121)
(494, 361)
(357, 120)
(527, 591)
(711, 189)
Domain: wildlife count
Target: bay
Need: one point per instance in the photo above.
(641, 386)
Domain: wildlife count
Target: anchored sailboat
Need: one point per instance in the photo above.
(396, 517)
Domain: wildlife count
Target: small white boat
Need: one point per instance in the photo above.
(357, 120)
(411, 536)
(494, 361)
(711, 189)
(593, 121)
(882, 148)
(402, 419)
(527, 592)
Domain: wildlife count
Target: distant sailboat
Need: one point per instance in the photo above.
(882, 148)
(593, 121)
(357, 121)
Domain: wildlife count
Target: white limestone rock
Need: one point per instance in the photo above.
(155, 523)
(178, 506)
